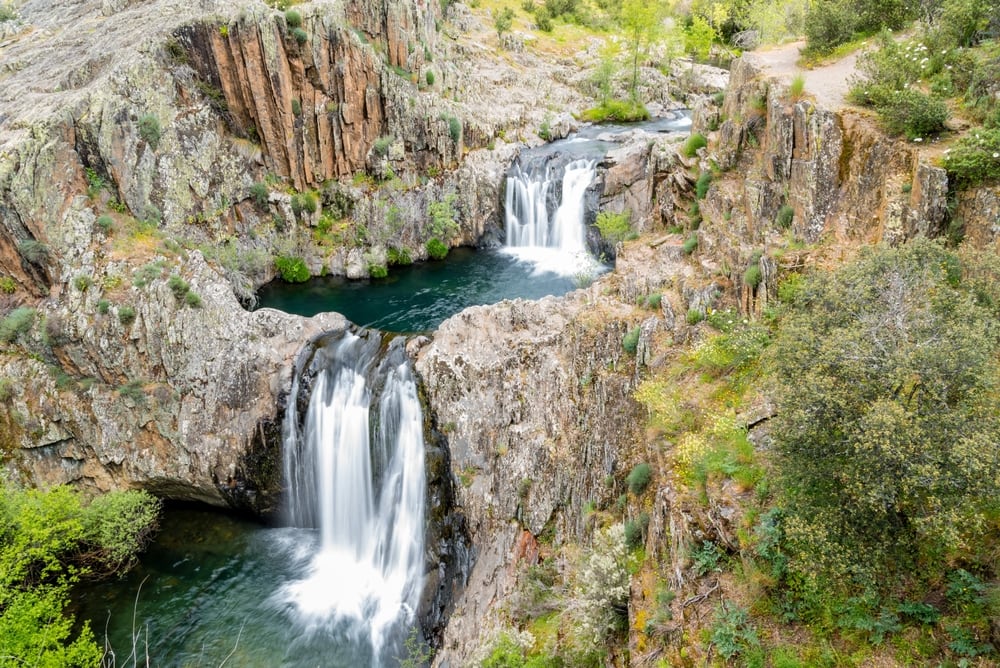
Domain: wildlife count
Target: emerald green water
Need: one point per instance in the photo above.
(210, 588)
(417, 298)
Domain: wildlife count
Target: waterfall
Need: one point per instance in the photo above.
(544, 230)
(355, 470)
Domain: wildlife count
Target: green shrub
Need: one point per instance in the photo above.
(300, 35)
(785, 216)
(635, 531)
(829, 23)
(654, 300)
(296, 107)
(732, 632)
(752, 276)
(913, 113)
(503, 19)
(376, 270)
(693, 143)
(638, 478)
(293, 19)
(126, 315)
(436, 248)
(702, 184)
(442, 214)
(975, 159)
(706, 559)
(429, 77)
(105, 223)
(8, 285)
(400, 256)
(134, 390)
(690, 244)
(7, 389)
(615, 227)
(33, 251)
(259, 193)
(543, 19)
(16, 323)
(616, 110)
(149, 130)
(82, 282)
(178, 286)
(454, 128)
(292, 269)
(798, 87)
(103, 306)
(147, 273)
(382, 144)
(192, 299)
(694, 316)
(310, 202)
(630, 342)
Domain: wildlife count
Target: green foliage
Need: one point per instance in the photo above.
(293, 19)
(307, 202)
(429, 77)
(148, 273)
(752, 276)
(639, 478)
(296, 107)
(694, 316)
(635, 531)
(732, 633)
(884, 434)
(292, 269)
(702, 184)
(654, 300)
(382, 144)
(377, 270)
(82, 282)
(192, 299)
(300, 35)
(615, 227)
(912, 113)
(149, 130)
(16, 323)
(134, 390)
(830, 23)
(33, 251)
(442, 218)
(259, 193)
(785, 216)
(975, 159)
(798, 87)
(503, 19)
(7, 389)
(630, 342)
(454, 128)
(103, 306)
(48, 540)
(126, 315)
(698, 38)
(624, 111)
(693, 143)
(436, 249)
(690, 244)
(178, 286)
(95, 183)
(400, 256)
(7, 12)
(543, 19)
(642, 27)
(8, 285)
(105, 223)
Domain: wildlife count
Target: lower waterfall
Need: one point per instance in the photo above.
(354, 466)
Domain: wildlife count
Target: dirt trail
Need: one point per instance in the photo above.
(828, 84)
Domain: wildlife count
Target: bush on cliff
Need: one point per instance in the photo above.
(292, 269)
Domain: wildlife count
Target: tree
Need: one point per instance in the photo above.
(502, 22)
(698, 38)
(888, 425)
(642, 24)
(48, 540)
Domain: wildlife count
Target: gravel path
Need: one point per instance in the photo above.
(828, 84)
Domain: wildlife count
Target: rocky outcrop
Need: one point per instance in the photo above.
(535, 400)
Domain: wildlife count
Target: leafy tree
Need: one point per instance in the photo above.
(698, 38)
(502, 22)
(888, 428)
(48, 541)
(642, 23)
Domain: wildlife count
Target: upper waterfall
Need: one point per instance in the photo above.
(354, 465)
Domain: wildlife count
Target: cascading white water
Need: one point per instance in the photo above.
(361, 483)
(555, 242)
